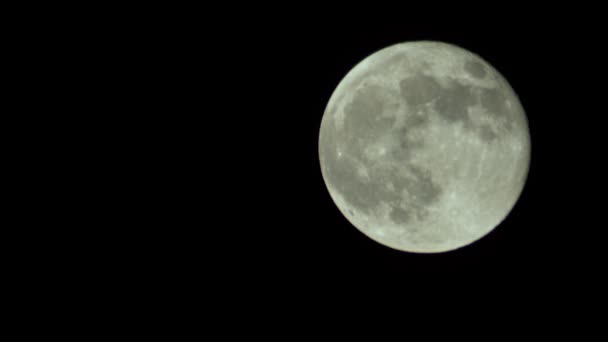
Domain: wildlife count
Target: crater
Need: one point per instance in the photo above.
(475, 69)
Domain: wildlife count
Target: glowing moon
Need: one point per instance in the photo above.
(424, 147)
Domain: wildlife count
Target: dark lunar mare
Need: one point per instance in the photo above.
(452, 102)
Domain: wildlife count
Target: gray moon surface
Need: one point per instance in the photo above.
(424, 147)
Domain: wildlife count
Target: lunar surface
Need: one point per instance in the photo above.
(424, 147)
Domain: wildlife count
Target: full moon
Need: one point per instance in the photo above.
(424, 147)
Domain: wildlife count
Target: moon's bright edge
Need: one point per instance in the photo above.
(424, 147)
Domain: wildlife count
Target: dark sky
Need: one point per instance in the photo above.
(254, 86)
(181, 161)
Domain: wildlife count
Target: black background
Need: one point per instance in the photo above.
(171, 166)
(204, 165)
(223, 111)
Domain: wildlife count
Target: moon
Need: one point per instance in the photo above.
(424, 147)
